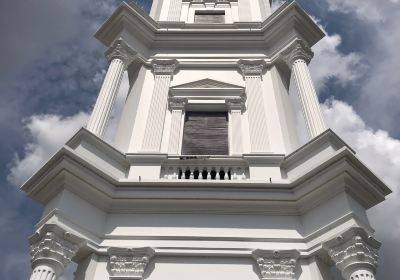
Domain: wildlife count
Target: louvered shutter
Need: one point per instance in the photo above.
(205, 133)
(209, 17)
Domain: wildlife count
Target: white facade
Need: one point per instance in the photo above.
(269, 209)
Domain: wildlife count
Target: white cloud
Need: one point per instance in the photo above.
(49, 133)
(381, 153)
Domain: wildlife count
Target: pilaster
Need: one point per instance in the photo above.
(174, 11)
(252, 71)
(52, 249)
(297, 56)
(119, 55)
(163, 72)
(355, 254)
(274, 265)
(177, 107)
(129, 263)
(236, 106)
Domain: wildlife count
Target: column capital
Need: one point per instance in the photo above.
(164, 66)
(177, 103)
(298, 49)
(119, 49)
(129, 263)
(276, 264)
(354, 251)
(235, 104)
(53, 246)
(251, 67)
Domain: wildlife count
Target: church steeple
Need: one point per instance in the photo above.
(217, 11)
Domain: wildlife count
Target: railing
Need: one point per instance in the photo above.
(205, 169)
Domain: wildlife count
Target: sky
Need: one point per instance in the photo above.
(52, 67)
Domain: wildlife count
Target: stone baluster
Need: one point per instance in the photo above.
(177, 107)
(226, 175)
(297, 56)
(51, 250)
(208, 173)
(274, 265)
(163, 71)
(119, 55)
(217, 175)
(191, 176)
(355, 254)
(252, 72)
(129, 263)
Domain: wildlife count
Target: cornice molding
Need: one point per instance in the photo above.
(354, 250)
(251, 67)
(53, 245)
(164, 67)
(274, 265)
(121, 50)
(297, 50)
(129, 263)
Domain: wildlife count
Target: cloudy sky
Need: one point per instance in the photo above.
(51, 70)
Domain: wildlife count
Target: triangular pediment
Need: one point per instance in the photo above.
(207, 83)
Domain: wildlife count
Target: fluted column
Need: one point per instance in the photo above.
(274, 265)
(174, 11)
(51, 250)
(355, 254)
(129, 263)
(297, 57)
(177, 106)
(119, 55)
(236, 107)
(252, 71)
(163, 71)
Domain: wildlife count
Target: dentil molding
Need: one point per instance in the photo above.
(295, 51)
(354, 251)
(129, 263)
(275, 265)
(53, 246)
(121, 50)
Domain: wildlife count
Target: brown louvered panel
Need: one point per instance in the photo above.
(205, 133)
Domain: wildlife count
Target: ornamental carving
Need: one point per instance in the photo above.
(237, 104)
(54, 245)
(176, 103)
(120, 50)
(297, 50)
(353, 251)
(164, 67)
(251, 67)
(276, 264)
(129, 263)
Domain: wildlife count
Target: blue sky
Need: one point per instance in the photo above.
(52, 67)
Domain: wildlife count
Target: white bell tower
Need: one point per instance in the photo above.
(206, 177)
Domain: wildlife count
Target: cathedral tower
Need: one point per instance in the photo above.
(207, 176)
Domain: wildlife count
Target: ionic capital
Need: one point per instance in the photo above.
(237, 104)
(297, 50)
(120, 50)
(177, 103)
(276, 264)
(353, 252)
(251, 67)
(54, 247)
(164, 67)
(129, 263)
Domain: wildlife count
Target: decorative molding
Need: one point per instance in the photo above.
(276, 264)
(236, 103)
(354, 252)
(129, 263)
(121, 50)
(53, 245)
(297, 50)
(207, 84)
(251, 67)
(176, 103)
(164, 67)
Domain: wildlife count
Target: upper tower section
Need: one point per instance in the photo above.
(210, 11)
